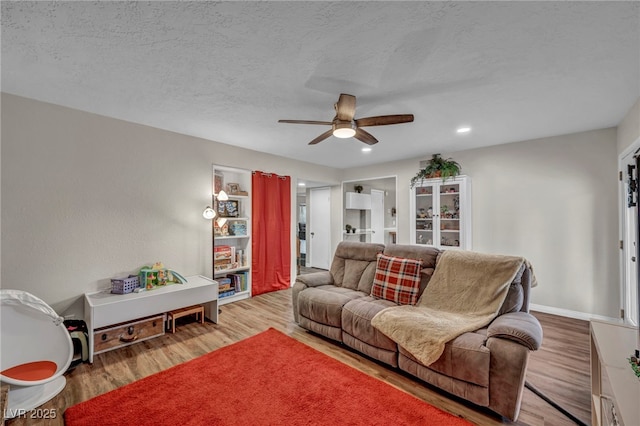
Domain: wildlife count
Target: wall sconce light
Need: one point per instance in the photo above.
(209, 213)
(222, 196)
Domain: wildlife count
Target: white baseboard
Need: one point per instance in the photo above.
(571, 314)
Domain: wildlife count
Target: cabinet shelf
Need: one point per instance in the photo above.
(230, 237)
(234, 297)
(231, 270)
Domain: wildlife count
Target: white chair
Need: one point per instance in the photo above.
(35, 351)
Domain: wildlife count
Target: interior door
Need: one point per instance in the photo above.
(319, 228)
(377, 216)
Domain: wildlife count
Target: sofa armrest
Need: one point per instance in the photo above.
(315, 279)
(520, 327)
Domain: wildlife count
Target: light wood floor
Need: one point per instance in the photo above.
(560, 369)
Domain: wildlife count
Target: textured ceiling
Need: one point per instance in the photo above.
(228, 71)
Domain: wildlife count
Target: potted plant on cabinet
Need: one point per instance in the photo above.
(437, 167)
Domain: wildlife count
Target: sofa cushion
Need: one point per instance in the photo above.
(324, 304)
(465, 358)
(354, 263)
(356, 272)
(356, 321)
(397, 279)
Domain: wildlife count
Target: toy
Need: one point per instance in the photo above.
(157, 275)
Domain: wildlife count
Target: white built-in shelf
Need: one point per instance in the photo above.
(235, 297)
(358, 232)
(230, 237)
(231, 270)
(223, 176)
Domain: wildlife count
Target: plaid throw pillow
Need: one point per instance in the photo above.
(397, 279)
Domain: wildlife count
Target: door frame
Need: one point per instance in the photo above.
(626, 157)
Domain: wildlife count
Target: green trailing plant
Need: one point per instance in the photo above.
(635, 365)
(437, 167)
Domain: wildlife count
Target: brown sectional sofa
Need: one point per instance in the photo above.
(486, 367)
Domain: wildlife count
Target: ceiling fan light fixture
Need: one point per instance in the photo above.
(344, 129)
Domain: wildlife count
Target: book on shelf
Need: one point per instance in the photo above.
(225, 287)
(224, 252)
(227, 293)
(240, 258)
(224, 257)
(222, 264)
(239, 280)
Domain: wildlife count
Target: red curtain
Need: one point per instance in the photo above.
(271, 233)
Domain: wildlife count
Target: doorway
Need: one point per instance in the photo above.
(369, 213)
(319, 228)
(377, 216)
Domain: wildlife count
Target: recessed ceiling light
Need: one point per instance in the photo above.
(301, 184)
(366, 149)
(463, 129)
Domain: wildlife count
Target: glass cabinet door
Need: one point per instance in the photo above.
(426, 205)
(449, 216)
(440, 213)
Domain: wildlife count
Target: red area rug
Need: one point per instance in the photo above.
(267, 379)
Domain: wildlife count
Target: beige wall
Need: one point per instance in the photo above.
(86, 198)
(552, 200)
(629, 128)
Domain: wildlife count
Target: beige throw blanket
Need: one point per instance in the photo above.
(465, 293)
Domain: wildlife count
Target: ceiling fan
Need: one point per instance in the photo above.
(345, 126)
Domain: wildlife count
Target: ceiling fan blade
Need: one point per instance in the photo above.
(346, 107)
(328, 123)
(322, 137)
(383, 120)
(365, 137)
